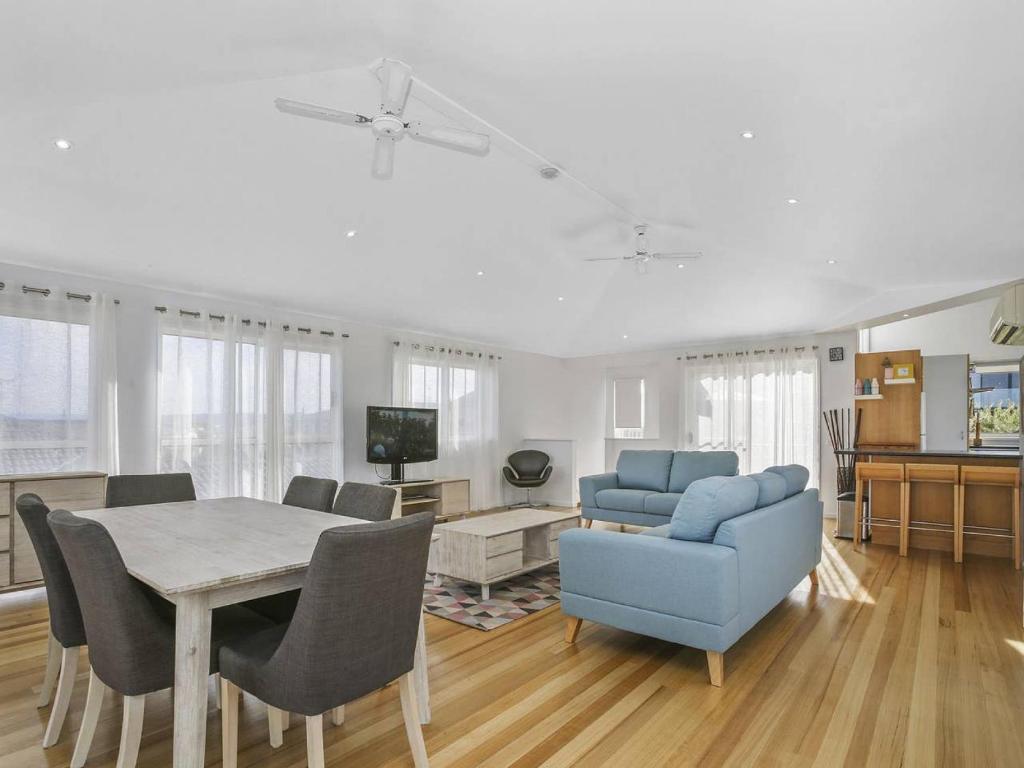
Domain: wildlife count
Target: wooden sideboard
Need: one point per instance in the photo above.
(60, 490)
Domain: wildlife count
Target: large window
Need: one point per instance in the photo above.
(44, 395)
(245, 409)
(995, 403)
(763, 407)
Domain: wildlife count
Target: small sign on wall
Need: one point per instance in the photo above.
(835, 354)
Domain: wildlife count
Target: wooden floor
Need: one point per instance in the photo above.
(891, 661)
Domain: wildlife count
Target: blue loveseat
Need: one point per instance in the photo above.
(734, 548)
(646, 486)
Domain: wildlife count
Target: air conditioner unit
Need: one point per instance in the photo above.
(1008, 317)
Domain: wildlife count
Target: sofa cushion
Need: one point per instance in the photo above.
(796, 477)
(662, 503)
(622, 498)
(771, 488)
(688, 466)
(709, 502)
(660, 531)
(644, 470)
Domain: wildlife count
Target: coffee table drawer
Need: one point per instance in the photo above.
(499, 565)
(556, 528)
(506, 542)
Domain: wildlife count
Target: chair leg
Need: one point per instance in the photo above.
(572, 628)
(716, 668)
(229, 724)
(411, 715)
(53, 654)
(858, 508)
(813, 575)
(275, 719)
(315, 741)
(131, 731)
(338, 715)
(68, 670)
(958, 526)
(1016, 528)
(91, 715)
(904, 519)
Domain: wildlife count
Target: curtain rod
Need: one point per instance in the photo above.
(247, 321)
(450, 350)
(45, 292)
(709, 355)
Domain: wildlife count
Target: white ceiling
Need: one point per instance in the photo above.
(896, 124)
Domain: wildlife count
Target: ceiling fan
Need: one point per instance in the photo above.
(641, 256)
(388, 126)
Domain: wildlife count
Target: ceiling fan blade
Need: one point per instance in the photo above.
(679, 256)
(451, 138)
(384, 158)
(396, 79)
(320, 113)
(608, 258)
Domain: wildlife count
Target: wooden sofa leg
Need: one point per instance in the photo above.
(572, 628)
(716, 668)
(588, 522)
(814, 576)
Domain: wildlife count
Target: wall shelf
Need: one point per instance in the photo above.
(867, 397)
(900, 381)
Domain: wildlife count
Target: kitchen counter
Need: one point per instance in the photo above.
(972, 453)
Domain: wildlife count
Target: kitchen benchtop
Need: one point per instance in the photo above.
(976, 453)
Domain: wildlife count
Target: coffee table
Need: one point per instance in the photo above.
(493, 548)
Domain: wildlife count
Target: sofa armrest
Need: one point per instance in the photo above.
(591, 484)
(776, 546)
(687, 579)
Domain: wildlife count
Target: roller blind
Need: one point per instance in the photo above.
(629, 403)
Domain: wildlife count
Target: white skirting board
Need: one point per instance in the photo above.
(561, 489)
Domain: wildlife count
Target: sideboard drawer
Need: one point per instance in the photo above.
(5, 499)
(502, 564)
(5, 534)
(507, 542)
(5, 569)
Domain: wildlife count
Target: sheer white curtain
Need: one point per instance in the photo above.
(245, 405)
(463, 386)
(310, 412)
(58, 393)
(763, 406)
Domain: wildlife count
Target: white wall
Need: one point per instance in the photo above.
(587, 375)
(956, 331)
(532, 386)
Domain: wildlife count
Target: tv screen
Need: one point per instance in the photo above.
(400, 435)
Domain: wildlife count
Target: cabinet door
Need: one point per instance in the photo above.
(71, 493)
(5, 534)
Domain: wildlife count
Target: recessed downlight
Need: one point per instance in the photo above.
(831, 261)
(480, 273)
(747, 134)
(680, 266)
(906, 314)
(62, 144)
(351, 233)
(792, 200)
(625, 335)
(561, 298)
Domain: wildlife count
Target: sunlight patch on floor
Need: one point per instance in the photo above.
(838, 579)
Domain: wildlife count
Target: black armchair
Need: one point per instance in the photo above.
(527, 469)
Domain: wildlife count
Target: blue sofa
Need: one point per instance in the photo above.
(646, 486)
(729, 555)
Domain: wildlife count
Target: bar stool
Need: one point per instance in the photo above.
(883, 472)
(1006, 477)
(932, 473)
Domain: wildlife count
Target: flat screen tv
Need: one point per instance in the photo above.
(400, 436)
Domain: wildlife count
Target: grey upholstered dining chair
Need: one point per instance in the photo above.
(310, 493)
(132, 490)
(367, 502)
(354, 631)
(67, 632)
(130, 631)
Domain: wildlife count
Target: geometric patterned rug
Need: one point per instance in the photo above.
(514, 599)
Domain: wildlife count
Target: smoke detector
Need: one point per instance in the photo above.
(549, 172)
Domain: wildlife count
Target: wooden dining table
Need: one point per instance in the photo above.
(205, 554)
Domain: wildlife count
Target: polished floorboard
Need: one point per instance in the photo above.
(890, 661)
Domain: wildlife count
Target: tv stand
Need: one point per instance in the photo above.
(446, 497)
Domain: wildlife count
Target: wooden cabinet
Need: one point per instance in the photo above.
(446, 498)
(72, 491)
